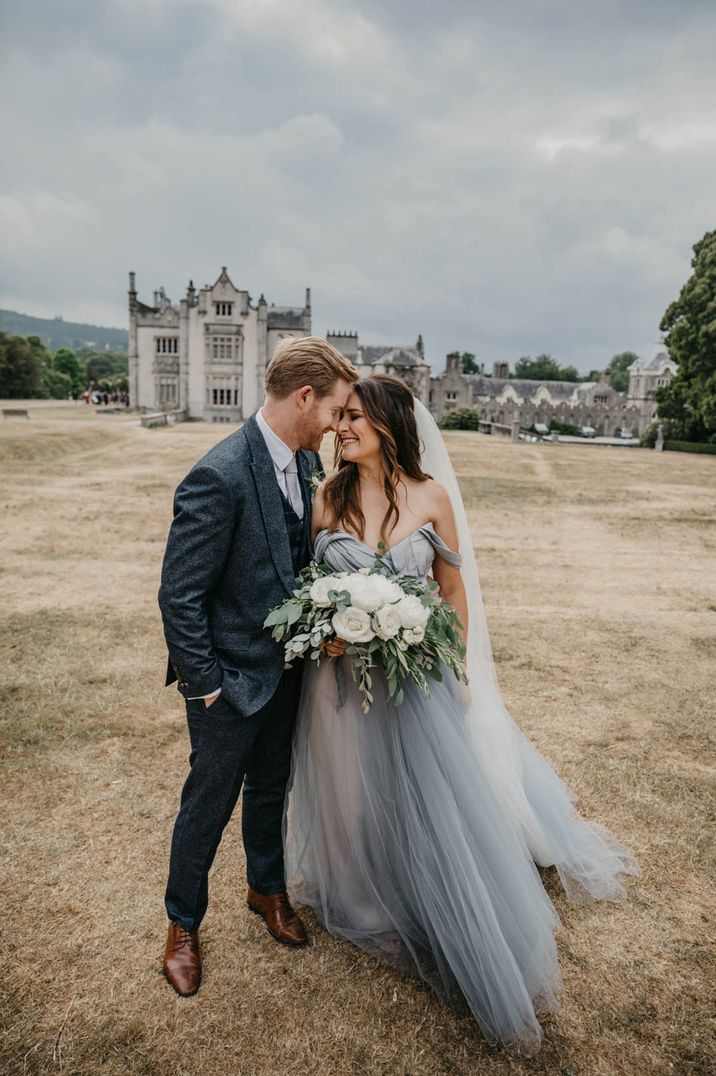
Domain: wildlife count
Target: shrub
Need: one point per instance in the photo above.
(462, 418)
(564, 427)
(690, 446)
(671, 431)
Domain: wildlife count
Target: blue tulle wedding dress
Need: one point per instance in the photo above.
(398, 837)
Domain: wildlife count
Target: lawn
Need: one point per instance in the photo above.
(598, 572)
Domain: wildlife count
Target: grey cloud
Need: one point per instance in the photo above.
(507, 179)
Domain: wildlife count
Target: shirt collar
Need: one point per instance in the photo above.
(279, 451)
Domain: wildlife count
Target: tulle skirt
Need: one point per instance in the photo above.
(398, 839)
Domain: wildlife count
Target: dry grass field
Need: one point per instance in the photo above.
(598, 573)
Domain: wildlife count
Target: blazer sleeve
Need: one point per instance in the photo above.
(199, 541)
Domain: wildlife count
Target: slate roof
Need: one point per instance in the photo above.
(285, 317)
(658, 360)
(390, 354)
(526, 389)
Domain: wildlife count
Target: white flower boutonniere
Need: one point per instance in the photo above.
(313, 481)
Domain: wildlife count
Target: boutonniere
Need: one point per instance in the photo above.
(313, 480)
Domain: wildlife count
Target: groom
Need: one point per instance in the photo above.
(241, 533)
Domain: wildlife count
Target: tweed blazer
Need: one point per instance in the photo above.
(227, 562)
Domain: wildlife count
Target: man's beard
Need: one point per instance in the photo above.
(311, 434)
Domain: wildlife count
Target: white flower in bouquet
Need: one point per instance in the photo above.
(386, 621)
(369, 592)
(413, 636)
(320, 588)
(412, 612)
(353, 625)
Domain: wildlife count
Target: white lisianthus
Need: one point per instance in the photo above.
(413, 635)
(353, 625)
(386, 621)
(369, 592)
(321, 586)
(413, 614)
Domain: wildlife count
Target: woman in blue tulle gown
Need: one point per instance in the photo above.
(413, 830)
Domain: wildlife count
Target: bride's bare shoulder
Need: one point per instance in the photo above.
(431, 497)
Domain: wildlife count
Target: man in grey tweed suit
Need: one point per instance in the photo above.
(240, 535)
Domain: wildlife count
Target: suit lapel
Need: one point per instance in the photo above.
(269, 497)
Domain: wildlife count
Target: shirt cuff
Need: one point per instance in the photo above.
(190, 698)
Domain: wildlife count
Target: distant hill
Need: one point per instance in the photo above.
(56, 332)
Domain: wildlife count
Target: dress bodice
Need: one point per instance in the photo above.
(413, 555)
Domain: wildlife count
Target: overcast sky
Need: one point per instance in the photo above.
(505, 178)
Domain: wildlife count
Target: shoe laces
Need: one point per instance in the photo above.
(183, 936)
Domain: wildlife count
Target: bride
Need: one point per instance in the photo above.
(414, 830)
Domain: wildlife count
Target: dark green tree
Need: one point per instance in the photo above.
(462, 418)
(66, 362)
(103, 363)
(20, 369)
(618, 376)
(469, 363)
(544, 368)
(689, 325)
(39, 350)
(56, 385)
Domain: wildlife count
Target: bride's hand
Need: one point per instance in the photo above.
(334, 647)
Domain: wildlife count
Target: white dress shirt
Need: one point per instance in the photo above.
(281, 456)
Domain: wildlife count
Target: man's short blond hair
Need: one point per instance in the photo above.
(306, 360)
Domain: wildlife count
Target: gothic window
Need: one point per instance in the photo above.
(451, 396)
(167, 393)
(223, 392)
(225, 348)
(223, 310)
(166, 345)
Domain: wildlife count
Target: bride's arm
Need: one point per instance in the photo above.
(448, 577)
(318, 512)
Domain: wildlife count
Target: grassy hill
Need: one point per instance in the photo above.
(57, 333)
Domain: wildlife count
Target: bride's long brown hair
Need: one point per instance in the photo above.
(388, 405)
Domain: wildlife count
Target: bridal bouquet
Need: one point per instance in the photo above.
(395, 622)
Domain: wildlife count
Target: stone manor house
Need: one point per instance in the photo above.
(205, 357)
(502, 399)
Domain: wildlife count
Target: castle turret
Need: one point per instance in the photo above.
(346, 343)
(133, 349)
(262, 348)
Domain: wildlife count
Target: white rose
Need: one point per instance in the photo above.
(353, 625)
(386, 621)
(413, 614)
(369, 592)
(413, 635)
(321, 586)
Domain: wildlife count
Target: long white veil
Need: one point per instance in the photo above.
(589, 859)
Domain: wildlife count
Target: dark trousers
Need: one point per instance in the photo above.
(228, 751)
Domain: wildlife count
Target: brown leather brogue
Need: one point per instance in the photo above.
(182, 960)
(281, 921)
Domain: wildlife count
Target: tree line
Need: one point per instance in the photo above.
(546, 368)
(686, 406)
(29, 370)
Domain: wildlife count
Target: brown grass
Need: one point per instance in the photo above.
(597, 567)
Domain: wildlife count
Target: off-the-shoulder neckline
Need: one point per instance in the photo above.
(425, 526)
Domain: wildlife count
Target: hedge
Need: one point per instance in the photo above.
(690, 446)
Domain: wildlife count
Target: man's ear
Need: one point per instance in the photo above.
(304, 396)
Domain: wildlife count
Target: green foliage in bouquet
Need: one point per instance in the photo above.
(392, 622)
